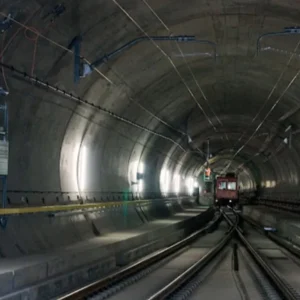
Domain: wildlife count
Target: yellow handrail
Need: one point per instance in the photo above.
(68, 207)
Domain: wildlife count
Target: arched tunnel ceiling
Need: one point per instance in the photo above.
(242, 101)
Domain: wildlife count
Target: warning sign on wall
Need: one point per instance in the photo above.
(4, 146)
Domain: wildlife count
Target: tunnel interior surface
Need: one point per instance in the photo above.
(150, 82)
(116, 102)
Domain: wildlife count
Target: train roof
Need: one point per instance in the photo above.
(227, 178)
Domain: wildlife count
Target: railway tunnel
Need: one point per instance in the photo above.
(109, 106)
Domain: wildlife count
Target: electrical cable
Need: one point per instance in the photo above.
(90, 104)
(189, 67)
(2, 60)
(181, 52)
(17, 31)
(57, 44)
(273, 89)
(35, 40)
(4, 48)
(190, 70)
(167, 57)
(39, 35)
(273, 106)
(267, 115)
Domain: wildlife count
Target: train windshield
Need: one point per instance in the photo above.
(222, 185)
(231, 185)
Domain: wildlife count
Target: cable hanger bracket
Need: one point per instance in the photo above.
(6, 23)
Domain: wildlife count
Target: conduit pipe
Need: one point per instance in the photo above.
(87, 69)
(286, 31)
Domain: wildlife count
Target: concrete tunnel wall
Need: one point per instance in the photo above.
(47, 132)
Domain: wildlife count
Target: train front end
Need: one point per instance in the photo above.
(226, 191)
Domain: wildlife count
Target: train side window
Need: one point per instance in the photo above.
(231, 186)
(222, 185)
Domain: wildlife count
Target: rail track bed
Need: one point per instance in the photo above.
(228, 262)
(171, 268)
(282, 262)
(220, 279)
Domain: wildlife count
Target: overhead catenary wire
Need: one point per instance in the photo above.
(2, 69)
(167, 57)
(273, 106)
(182, 54)
(39, 35)
(5, 47)
(90, 104)
(54, 43)
(190, 70)
(273, 89)
(267, 115)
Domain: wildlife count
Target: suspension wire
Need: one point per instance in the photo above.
(53, 43)
(39, 35)
(181, 52)
(143, 107)
(69, 95)
(273, 89)
(273, 106)
(268, 114)
(190, 70)
(167, 57)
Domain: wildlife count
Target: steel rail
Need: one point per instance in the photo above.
(191, 271)
(118, 276)
(292, 248)
(278, 283)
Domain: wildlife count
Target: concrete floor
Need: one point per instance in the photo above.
(286, 223)
(50, 273)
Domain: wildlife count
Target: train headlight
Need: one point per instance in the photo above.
(230, 201)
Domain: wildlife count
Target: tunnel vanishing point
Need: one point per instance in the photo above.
(150, 83)
(116, 100)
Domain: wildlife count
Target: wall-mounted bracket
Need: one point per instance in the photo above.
(76, 45)
(3, 221)
(88, 69)
(286, 31)
(55, 12)
(6, 23)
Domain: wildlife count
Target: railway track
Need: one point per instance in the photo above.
(117, 281)
(230, 262)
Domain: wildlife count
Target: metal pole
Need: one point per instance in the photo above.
(4, 108)
(5, 138)
(77, 42)
(4, 191)
(207, 158)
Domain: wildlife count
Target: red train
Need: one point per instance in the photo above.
(227, 190)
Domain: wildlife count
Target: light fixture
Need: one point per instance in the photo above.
(140, 186)
(165, 180)
(141, 168)
(176, 181)
(82, 168)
